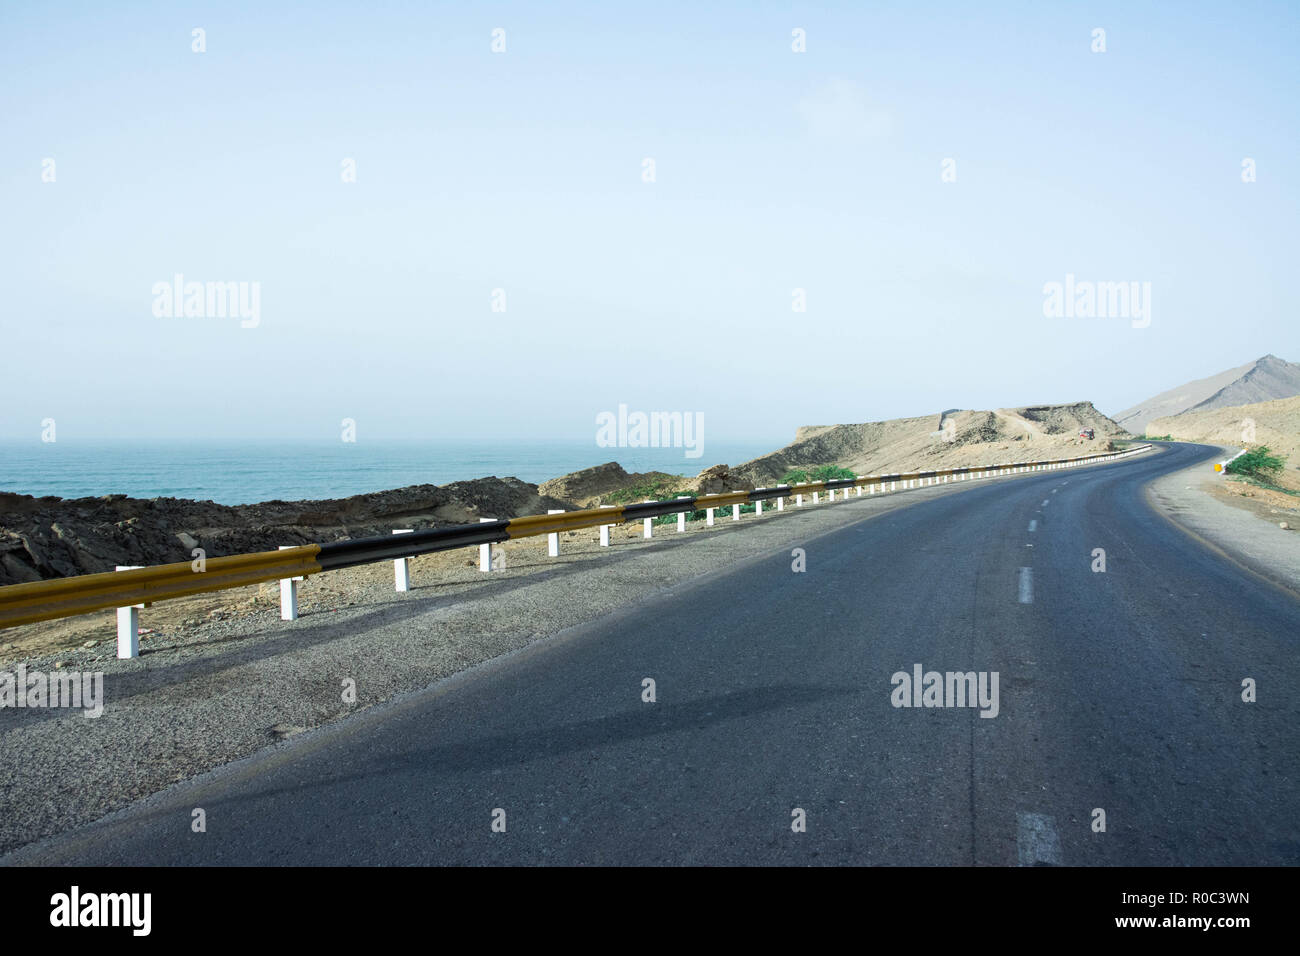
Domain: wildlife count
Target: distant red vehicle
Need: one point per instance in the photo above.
(1087, 433)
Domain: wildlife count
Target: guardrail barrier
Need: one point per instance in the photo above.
(36, 601)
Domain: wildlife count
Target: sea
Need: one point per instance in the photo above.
(234, 473)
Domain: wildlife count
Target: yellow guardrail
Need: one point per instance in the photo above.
(64, 597)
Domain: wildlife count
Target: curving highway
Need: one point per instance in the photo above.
(1117, 691)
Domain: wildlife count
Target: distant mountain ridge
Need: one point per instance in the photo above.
(1262, 380)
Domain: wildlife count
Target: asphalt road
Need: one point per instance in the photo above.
(1118, 690)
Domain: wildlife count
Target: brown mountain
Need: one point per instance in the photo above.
(1262, 380)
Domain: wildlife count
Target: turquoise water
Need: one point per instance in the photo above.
(244, 472)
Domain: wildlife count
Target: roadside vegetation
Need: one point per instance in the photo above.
(793, 476)
(821, 473)
(1260, 467)
(659, 487)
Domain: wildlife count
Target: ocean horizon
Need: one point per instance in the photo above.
(246, 472)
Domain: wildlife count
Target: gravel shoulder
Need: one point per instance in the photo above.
(1245, 529)
(214, 691)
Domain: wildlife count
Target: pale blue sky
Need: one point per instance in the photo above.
(523, 171)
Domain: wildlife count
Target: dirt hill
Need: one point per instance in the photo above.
(1262, 380)
(949, 439)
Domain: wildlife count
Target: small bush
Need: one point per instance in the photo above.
(659, 487)
(1257, 463)
(831, 473)
(820, 473)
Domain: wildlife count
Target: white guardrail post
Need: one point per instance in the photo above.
(681, 517)
(289, 593)
(128, 624)
(647, 529)
(604, 531)
(485, 551)
(402, 567)
(553, 539)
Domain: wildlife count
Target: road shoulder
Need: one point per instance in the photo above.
(1188, 500)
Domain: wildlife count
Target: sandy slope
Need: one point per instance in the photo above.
(950, 439)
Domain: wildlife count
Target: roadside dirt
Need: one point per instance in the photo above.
(1273, 506)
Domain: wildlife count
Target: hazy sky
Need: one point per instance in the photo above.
(524, 171)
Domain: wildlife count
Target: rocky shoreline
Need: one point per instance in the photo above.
(53, 537)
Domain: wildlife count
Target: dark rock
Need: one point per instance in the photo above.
(55, 537)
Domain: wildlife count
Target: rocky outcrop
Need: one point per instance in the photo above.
(581, 486)
(55, 537)
(720, 478)
(602, 484)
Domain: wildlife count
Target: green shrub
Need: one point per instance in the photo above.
(660, 486)
(1257, 463)
(820, 473)
(831, 473)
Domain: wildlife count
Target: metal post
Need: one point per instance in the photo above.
(128, 624)
(553, 539)
(485, 551)
(402, 567)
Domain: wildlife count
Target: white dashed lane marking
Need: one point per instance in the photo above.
(1033, 525)
(1026, 586)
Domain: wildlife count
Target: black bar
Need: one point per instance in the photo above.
(347, 554)
(219, 905)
